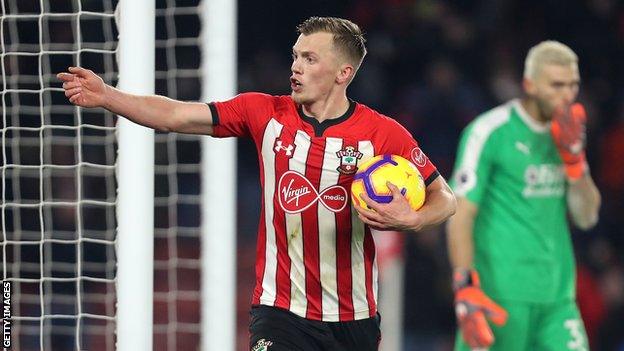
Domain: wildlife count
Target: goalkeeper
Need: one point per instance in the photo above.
(520, 167)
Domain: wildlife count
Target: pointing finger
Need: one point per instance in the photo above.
(79, 71)
(65, 77)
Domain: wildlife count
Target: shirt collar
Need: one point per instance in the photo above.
(528, 120)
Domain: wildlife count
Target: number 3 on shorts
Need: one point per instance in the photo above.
(577, 341)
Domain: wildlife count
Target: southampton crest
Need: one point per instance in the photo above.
(349, 157)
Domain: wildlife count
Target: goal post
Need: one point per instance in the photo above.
(219, 182)
(135, 207)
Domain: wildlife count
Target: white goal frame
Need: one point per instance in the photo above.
(135, 193)
(136, 169)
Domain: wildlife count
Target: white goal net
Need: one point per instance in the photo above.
(58, 185)
(58, 178)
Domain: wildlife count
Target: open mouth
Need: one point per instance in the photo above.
(295, 85)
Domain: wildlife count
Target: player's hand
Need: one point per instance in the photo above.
(83, 87)
(396, 215)
(568, 132)
(473, 307)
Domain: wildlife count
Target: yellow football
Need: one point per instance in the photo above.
(373, 174)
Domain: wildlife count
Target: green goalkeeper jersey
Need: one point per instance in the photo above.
(508, 166)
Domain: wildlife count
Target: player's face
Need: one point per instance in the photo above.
(314, 69)
(555, 86)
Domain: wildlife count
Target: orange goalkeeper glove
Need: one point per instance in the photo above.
(568, 132)
(472, 307)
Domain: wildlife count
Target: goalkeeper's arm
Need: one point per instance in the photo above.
(583, 202)
(459, 234)
(86, 89)
(568, 132)
(472, 306)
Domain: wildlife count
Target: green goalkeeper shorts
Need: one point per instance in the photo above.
(532, 326)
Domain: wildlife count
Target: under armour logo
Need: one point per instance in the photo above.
(288, 150)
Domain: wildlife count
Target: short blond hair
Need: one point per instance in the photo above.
(348, 36)
(548, 52)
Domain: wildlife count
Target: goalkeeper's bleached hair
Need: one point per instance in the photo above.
(545, 53)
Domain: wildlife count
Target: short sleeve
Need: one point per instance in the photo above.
(240, 116)
(473, 165)
(400, 142)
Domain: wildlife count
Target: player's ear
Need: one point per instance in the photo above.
(529, 86)
(345, 73)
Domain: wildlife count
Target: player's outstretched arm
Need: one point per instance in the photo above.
(398, 215)
(86, 89)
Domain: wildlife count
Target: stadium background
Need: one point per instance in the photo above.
(433, 65)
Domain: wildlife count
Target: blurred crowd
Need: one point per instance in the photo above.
(435, 65)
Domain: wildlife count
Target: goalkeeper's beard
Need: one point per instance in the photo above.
(545, 110)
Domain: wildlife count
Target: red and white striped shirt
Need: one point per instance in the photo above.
(315, 257)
